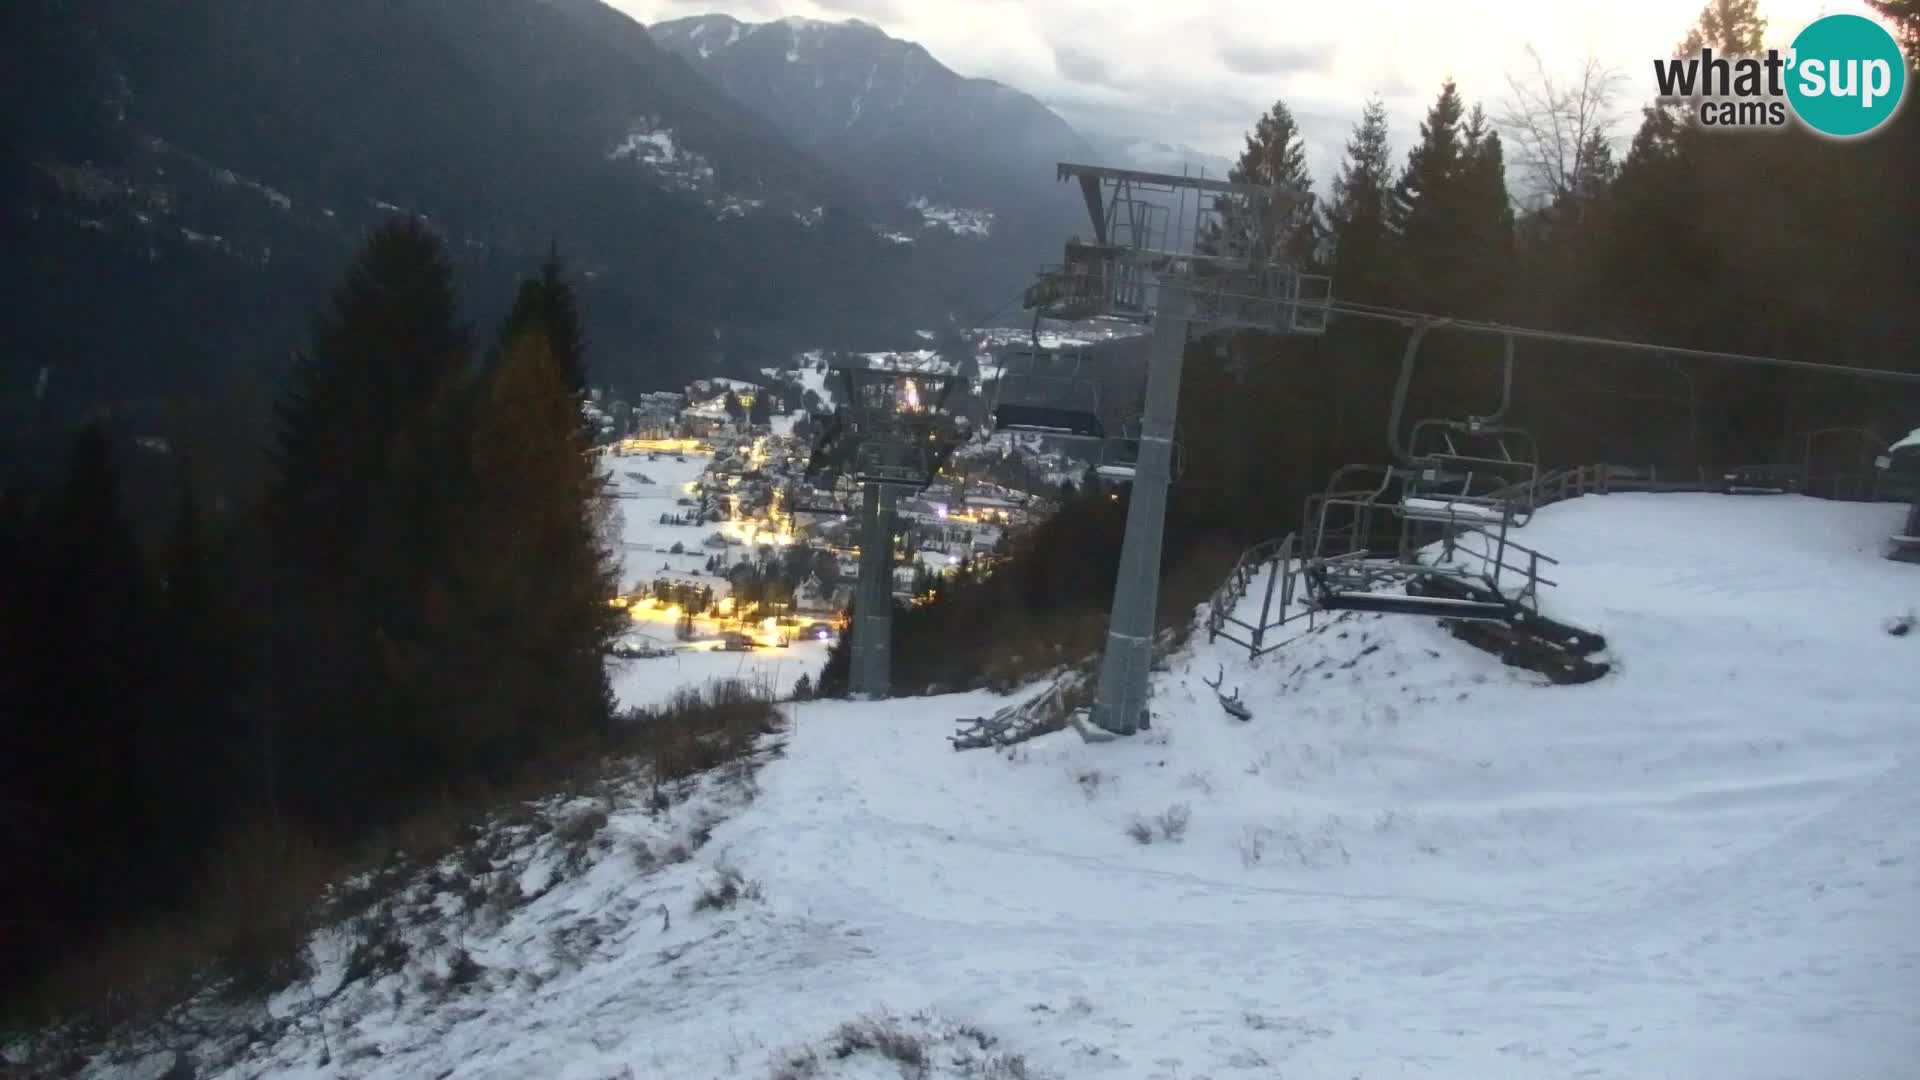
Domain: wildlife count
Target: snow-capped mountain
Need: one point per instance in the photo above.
(1154, 155)
(235, 149)
(973, 155)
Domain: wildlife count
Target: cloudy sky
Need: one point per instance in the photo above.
(1200, 71)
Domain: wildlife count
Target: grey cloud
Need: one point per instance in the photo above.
(1399, 86)
(1254, 58)
(736, 8)
(1081, 66)
(864, 9)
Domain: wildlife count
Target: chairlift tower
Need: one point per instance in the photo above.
(1175, 252)
(890, 433)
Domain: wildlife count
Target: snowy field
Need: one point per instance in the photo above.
(648, 554)
(1412, 862)
(647, 543)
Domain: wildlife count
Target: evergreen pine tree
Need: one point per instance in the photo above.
(1904, 15)
(761, 412)
(197, 741)
(94, 683)
(380, 356)
(1729, 28)
(1486, 218)
(370, 465)
(1357, 215)
(547, 304)
(1423, 212)
(529, 579)
(1274, 156)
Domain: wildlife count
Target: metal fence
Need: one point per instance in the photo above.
(1278, 563)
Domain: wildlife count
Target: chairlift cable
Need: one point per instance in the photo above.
(1404, 316)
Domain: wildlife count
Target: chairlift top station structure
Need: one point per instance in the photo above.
(1174, 252)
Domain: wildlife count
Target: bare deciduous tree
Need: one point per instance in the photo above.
(1557, 131)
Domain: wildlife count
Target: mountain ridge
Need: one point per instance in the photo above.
(902, 124)
(230, 153)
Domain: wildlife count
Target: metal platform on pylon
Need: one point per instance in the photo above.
(1222, 245)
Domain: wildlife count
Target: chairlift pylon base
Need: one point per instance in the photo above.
(1082, 721)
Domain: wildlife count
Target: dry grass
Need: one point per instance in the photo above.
(883, 1036)
(728, 888)
(269, 886)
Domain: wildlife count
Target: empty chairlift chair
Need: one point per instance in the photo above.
(1119, 456)
(1452, 479)
(1478, 471)
(1352, 565)
(1048, 392)
(1472, 472)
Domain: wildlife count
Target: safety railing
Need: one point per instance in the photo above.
(1499, 563)
(1277, 559)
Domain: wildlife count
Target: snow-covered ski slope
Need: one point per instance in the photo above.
(1412, 862)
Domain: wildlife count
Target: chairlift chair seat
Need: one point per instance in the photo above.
(1452, 510)
(1048, 392)
(1440, 607)
(1047, 420)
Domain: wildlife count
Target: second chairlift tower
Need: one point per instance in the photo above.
(890, 434)
(1175, 252)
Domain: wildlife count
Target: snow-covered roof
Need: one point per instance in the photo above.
(719, 385)
(927, 360)
(1911, 442)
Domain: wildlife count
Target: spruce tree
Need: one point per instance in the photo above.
(1486, 217)
(95, 682)
(761, 412)
(1274, 156)
(1904, 15)
(379, 357)
(547, 303)
(369, 469)
(193, 664)
(1729, 28)
(529, 579)
(1424, 212)
(1357, 213)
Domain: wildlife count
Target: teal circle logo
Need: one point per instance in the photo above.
(1846, 75)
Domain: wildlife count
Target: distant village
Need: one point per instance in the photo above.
(780, 558)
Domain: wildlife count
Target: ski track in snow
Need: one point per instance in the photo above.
(1417, 864)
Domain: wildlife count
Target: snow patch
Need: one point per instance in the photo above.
(655, 148)
(958, 220)
(734, 206)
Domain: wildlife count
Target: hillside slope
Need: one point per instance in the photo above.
(226, 155)
(1412, 862)
(968, 156)
(901, 122)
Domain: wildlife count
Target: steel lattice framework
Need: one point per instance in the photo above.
(1173, 251)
